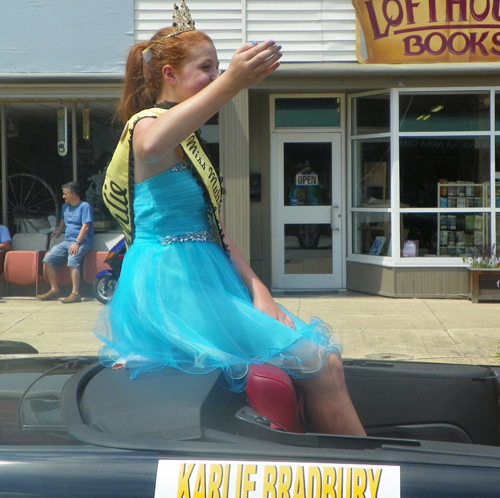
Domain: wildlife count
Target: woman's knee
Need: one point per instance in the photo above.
(334, 364)
(330, 378)
(333, 371)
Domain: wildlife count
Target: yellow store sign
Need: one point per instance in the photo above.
(230, 479)
(410, 31)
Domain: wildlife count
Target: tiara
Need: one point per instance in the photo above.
(182, 22)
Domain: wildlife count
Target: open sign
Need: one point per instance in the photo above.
(306, 180)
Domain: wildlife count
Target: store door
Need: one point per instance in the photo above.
(307, 211)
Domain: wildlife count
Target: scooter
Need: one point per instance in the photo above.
(105, 281)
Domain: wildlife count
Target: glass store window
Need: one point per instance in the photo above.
(371, 179)
(371, 114)
(443, 166)
(496, 190)
(97, 134)
(36, 164)
(40, 140)
(307, 112)
(444, 172)
(444, 176)
(371, 175)
(425, 112)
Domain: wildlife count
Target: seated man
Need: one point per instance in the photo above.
(5, 238)
(78, 218)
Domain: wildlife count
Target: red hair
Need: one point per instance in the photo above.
(144, 80)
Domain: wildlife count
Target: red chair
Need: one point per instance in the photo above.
(63, 275)
(271, 393)
(22, 264)
(93, 263)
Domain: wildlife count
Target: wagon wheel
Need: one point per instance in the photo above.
(30, 201)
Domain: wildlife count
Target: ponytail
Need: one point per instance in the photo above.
(137, 92)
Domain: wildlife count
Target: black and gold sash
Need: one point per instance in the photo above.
(117, 185)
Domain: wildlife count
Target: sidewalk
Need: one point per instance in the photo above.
(441, 330)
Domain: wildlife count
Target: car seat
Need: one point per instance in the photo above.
(271, 393)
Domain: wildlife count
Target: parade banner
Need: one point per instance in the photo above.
(421, 31)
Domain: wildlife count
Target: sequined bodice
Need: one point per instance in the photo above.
(169, 204)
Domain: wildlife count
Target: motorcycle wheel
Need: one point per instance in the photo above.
(102, 294)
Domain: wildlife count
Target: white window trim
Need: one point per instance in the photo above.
(396, 260)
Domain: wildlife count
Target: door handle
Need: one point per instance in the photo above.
(331, 217)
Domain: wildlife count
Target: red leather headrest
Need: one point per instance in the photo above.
(271, 393)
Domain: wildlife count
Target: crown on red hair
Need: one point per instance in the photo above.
(182, 23)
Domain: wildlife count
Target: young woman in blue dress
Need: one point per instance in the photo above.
(186, 298)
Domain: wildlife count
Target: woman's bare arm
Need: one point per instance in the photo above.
(250, 64)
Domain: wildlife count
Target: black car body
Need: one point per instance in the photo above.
(70, 428)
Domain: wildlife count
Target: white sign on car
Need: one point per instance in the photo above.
(240, 479)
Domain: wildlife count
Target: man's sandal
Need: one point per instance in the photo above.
(49, 296)
(72, 298)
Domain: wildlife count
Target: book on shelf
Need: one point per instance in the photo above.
(448, 222)
(452, 222)
(410, 248)
(478, 222)
(443, 189)
(469, 222)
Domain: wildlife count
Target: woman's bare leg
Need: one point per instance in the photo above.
(327, 402)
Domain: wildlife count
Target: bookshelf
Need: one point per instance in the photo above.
(458, 231)
(463, 194)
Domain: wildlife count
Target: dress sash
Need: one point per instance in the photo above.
(117, 183)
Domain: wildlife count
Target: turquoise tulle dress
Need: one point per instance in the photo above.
(180, 303)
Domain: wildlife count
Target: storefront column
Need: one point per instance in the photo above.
(3, 165)
(235, 169)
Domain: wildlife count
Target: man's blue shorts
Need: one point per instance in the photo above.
(60, 253)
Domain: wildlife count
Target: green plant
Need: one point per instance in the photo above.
(482, 257)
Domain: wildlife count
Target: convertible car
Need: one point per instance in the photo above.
(70, 428)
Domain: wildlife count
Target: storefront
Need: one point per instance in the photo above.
(49, 141)
(60, 78)
(424, 184)
(369, 174)
(399, 183)
(383, 184)
(380, 191)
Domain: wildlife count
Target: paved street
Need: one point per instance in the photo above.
(442, 330)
